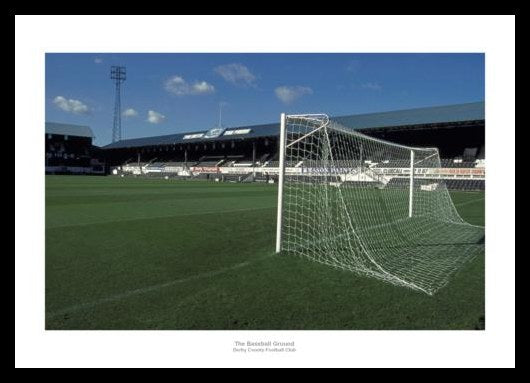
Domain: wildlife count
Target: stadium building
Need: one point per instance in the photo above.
(250, 153)
(69, 150)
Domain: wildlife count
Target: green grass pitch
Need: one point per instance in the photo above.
(131, 253)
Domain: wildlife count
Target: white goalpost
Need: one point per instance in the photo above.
(281, 175)
(411, 183)
(369, 206)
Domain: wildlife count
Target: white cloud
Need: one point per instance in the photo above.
(202, 87)
(130, 113)
(288, 94)
(98, 60)
(236, 74)
(371, 86)
(71, 105)
(155, 117)
(177, 85)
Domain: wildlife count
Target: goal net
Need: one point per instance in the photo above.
(370, 206)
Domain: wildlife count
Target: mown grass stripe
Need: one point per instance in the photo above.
(50, 227)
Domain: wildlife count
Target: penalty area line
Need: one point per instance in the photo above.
(148, 289)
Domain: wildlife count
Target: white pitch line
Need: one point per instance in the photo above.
(148, 289)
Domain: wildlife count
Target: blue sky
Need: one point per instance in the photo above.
(171, 93)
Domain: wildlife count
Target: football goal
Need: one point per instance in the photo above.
(369, 206)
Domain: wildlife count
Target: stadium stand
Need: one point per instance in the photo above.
(232, 177)
(234, 153)
(470, 154)
(69, 150)
(451, 184)
(393, 164)
(481, 153)
(275, 164)
(206, 163)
